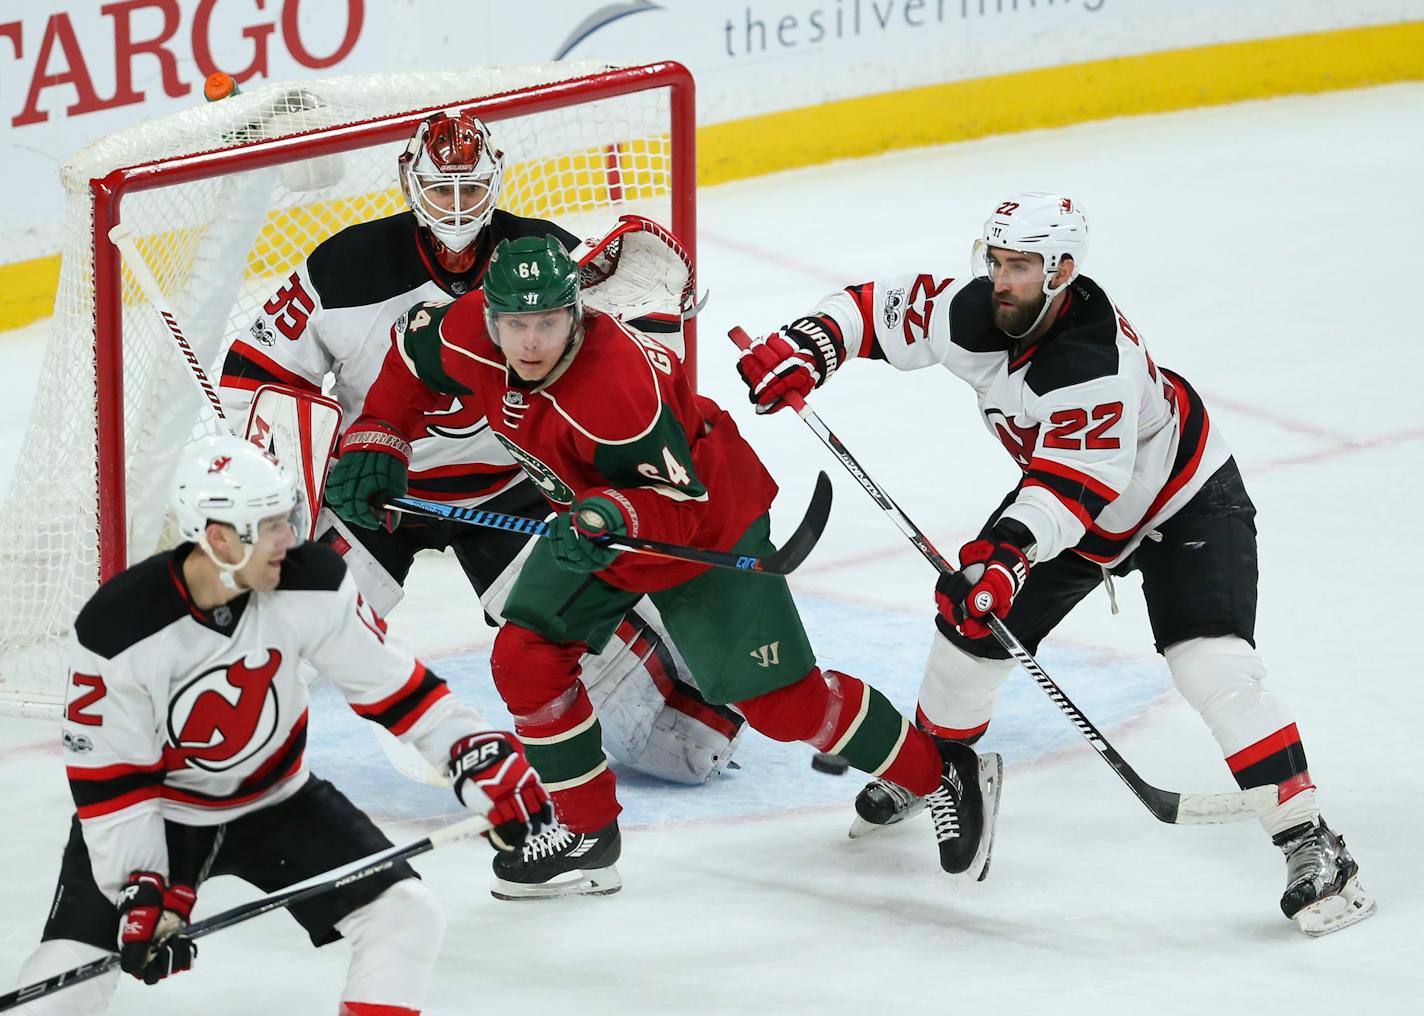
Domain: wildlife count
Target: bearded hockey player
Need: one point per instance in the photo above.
(1121, 472)
(184, 736)
(334, 315)
(604, 420)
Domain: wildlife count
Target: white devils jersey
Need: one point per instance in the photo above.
(334, 314)
(174, 713)
(1109, 444)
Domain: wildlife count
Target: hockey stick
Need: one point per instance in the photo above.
(121, 236)
(1166, 805)
(475, 825)
(781, 562)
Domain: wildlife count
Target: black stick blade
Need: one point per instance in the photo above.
(803, 540)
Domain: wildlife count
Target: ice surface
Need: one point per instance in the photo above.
(1266, 251)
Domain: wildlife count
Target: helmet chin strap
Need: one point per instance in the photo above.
(1048, 296)
(227, 573)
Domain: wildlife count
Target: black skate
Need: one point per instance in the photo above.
(1323, 891)
(560, 862)
(965, 808)
(881, 803)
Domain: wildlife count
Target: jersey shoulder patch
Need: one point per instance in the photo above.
(368, 263)
(971, 320)
(312, 566)
(138, 602)
(1083, 346)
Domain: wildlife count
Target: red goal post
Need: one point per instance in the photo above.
(225, 199)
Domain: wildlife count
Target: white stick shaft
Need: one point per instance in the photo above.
(122, 237)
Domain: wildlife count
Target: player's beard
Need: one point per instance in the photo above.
(1019, 318)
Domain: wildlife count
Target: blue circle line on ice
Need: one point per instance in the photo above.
(886, 648)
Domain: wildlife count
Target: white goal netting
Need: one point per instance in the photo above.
(225, 199)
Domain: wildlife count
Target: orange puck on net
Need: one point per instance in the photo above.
(219, 86)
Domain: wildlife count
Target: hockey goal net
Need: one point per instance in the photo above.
(224, 200)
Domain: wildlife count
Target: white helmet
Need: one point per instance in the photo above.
(1036, 222)
(230, 480)
(452, 151)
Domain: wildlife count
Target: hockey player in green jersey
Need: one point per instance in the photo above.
(606, 424)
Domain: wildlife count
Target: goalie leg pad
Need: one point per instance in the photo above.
(1223, 679)
(654, 719)
(380, 588)
(958, 691)
(395, 940)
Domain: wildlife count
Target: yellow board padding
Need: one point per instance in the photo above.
(1058, 96)
(27, 291)
(854, 128)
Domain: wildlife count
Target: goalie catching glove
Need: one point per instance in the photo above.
(150, 916)
(375, 458)
(491, 765)
(993, 569)
(791, 362)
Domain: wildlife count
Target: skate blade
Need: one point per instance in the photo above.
(860, 827)
(1351, 905)
(593, 882)
(991, 783)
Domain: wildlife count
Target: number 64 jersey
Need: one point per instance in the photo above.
(1109, 444)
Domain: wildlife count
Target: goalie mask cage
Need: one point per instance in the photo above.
(224, 200)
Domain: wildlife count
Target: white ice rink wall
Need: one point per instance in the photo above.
(781, 83)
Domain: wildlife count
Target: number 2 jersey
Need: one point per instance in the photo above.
(1109, 444)
(616, 413)
(198, 717)
(334, 314)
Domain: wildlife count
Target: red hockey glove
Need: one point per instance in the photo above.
(489, 768)
(150, 915)
(375, 457)
(572, 536)
(775, 368)
(790, 363)
(994, 570)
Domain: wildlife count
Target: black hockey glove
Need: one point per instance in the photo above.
(150, 916)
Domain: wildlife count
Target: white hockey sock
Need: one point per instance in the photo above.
(395, 940)
(55, 957)
(958, 691)
(1223, 679)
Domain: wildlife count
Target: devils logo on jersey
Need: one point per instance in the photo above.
(224, 716)
(1020, 442)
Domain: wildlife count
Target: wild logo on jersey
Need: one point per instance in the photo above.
(544, 478)
(224, 716)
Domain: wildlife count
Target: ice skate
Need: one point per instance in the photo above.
(965, 809)
(1323, 891)
(881, 803)
(560, 862)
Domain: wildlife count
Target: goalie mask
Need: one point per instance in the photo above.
(230, 480)
(450, 173)
(1049, 225)
(531, 275)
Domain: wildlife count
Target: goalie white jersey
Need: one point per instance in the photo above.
(1109, 444)
(334, 314)
(200, 717)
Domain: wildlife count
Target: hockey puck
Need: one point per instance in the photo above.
(825, 762)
